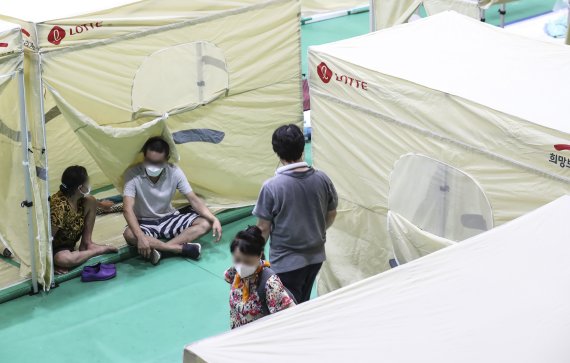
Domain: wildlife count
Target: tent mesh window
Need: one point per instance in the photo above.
(433, 205)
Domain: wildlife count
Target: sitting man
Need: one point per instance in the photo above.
(147, 198)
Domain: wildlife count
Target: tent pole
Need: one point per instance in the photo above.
(445, 190)
(28, 189)
(45, 159)
(372, 18)
(503, 12)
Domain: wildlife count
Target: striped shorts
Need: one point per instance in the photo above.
(170, 226)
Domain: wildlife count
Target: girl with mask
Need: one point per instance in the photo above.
(256, 290)
(73, 213)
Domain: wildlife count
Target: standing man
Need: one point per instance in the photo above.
(147, 198)
(295, 208)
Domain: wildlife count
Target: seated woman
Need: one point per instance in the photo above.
(256, 290)
(73, 214)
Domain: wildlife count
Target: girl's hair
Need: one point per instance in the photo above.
(72, 178)
(249, 242)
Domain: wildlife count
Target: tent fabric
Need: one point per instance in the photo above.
(491, 298)
(409, 241)
(271, 78)
(367, 111)
(387, 13)
(115, 149)
(438, 198)
(69, 9)
(312, 7)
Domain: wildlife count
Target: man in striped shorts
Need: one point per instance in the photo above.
(147, 197)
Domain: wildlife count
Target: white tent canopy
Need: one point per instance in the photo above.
(43, 11)
(498, 297)
(424, 88)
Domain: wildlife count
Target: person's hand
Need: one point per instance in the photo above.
(105, 204)
(144, 246)
(217, 230)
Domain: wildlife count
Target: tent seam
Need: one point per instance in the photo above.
(443, 138)
(182, 24)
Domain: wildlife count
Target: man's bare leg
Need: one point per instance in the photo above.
(154, 243)
(190, 234)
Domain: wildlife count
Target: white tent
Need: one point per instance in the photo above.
(313, 7)
(409, 120)
(16, 191)
(213, 77)
(387, 13)
(497, 297)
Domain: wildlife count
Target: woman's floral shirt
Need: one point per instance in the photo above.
(243, 312)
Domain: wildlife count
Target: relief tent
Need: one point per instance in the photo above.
(215, 78)
(427, 145)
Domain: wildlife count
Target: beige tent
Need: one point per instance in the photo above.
(498, 297)
(312, 7)
(17, 188)
(387, 13)
(426, 145)
(214, 78)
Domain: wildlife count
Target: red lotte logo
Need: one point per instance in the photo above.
(57, 33)
(326, 74)
(561, 147)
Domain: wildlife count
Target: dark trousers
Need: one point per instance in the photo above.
(300, 282)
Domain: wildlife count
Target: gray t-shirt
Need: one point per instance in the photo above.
(154, 201)
(297, 204)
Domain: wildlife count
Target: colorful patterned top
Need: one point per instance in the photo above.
(245, 304)
(69, 222)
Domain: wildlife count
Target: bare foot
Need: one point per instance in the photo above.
(60, 270)
(106, 205)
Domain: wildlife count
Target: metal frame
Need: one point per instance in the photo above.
(45, 160)
(27, 176)
(502, 13)
(372, 11)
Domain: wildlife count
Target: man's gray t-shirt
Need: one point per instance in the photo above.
(297, 204)
(154, 201)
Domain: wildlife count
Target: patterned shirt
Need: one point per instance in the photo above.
(243, 312)
(69, 222)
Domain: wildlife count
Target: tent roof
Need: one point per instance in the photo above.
(6, 26)
(40, 11)
(455, 54)
(497, 297)
(10, 37)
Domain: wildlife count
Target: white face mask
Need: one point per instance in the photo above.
(153, 170)
(245, 270)
(85, 193)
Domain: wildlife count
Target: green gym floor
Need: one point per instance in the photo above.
(148, 314)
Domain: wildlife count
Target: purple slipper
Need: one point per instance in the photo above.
(99, 266)
(99, 272)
